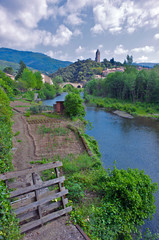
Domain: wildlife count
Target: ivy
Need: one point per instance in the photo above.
(9, 229)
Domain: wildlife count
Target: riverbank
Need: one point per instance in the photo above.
(89, 184)
(135, 109)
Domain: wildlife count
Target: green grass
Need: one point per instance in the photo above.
(27, 106)
(56, 131)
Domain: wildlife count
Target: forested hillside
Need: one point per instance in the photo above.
(36, 61)
(84, 70)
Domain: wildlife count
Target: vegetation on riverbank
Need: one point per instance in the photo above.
(135, 92)
(136, 109)
(117, 201)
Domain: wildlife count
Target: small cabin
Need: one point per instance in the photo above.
(59, 107)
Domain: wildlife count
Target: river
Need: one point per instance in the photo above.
(131, 143)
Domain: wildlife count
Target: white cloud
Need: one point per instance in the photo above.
(77, 32)
(79, 49)
(97, 29)
(62, 37)
(119, 50)
(142, 59)
(107, 52)
(32, 12)
(20, 30)
(156, 36)
(80, 58)
(146, 49)
(60, 55)
(74, 19)
(118, 15)
(100, 46)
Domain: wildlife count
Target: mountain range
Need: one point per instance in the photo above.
(38, 61)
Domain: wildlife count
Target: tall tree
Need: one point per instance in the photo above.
(21, 69)
(129, 59)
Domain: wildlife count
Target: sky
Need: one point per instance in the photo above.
(74, 29)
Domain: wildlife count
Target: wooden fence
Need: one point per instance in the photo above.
(37, 202)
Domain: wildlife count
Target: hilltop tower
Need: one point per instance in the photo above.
(97, 59)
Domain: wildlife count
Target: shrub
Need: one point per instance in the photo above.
(74, 105)
(9, 229)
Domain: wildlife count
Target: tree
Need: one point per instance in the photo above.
(112, 61)
(74, 105)
(38, 80)
(8, 70)
(127, 200)
(21, 69)
(129, 59)
(29, 78)
(57, 79)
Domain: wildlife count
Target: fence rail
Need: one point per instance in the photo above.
(37, 202)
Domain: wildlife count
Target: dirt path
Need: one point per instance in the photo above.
(23, 143)
(24, 152)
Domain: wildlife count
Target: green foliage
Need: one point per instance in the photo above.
(56, 131)
(22, 66)
(29, 95)
(149, 236)
(82, 70)
(17, 133)
(136, 108)
(47, 91)
(127, 200)
(9, 229)
(132, 85)
(38, 108)
(32, 80)
(57, 79)
(92, 144)
(4, 64)
(73, 105)
(76, 192)
(8, 70)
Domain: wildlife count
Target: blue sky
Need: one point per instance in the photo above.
(74, 29)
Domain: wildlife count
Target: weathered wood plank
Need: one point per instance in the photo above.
(37, 194)
(17, 184)
(40, 168)
(34, 205)
(44, 219)
(23, 201)
(27, 216)
(31, 198)
(36, 187)
(53, 206)
(60, 187)
(44, 209)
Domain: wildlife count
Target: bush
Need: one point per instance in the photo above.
(75, 189)
(29, 95)
(73, 105)
(9, 229)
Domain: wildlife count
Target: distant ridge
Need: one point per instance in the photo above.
(38, 61)
(149, 65)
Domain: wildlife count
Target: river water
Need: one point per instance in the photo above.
(131, 143)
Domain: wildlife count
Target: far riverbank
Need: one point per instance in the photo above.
(140, 109)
